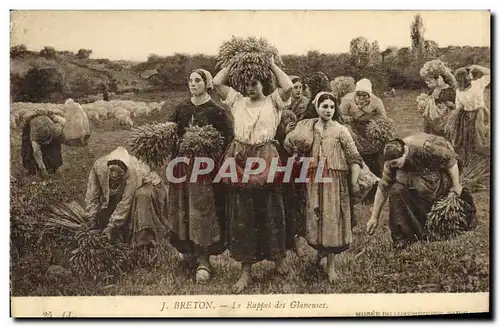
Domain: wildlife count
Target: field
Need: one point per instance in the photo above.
(458, 265)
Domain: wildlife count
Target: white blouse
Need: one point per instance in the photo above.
(473, 98)
(259, 124)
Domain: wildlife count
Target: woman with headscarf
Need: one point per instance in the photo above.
(418, 170)
(196, 211)
(255, 206)
(440, 100)
(336, 160)
(358, 109)
(125, 200)
(466, 127)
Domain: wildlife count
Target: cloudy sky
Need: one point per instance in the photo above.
(132, 35)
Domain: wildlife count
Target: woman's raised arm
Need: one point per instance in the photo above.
(220, 81)
(284, 82)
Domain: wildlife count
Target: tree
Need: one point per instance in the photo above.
(359, 49)
(48, 52)
(154, 57)
(18, 50)
(417, 36)
(314, 60)
(40, 83)
(375, 55)
(430, 48)
(83, 53)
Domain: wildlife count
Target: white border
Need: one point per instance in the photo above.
(193, 5)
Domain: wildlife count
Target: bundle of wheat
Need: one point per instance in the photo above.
(229, 49)
(342, 85)
(65, 219)
(448, 216)
(91, 255)
(475, 175)
(248, 60)
(153, 143)
(203, 141)
(379, 131)
(96, 258)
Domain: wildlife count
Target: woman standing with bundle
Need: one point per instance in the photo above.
(256, 214)
(196, 210)
(467, 128)
(440, 100)
(361, 109)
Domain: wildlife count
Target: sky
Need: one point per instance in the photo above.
(133, 35)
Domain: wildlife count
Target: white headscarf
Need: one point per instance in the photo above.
(364, 85)
(316, 99)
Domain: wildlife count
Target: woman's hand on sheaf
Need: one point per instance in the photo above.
(271, 60)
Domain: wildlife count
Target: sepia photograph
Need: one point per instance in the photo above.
(241, 163)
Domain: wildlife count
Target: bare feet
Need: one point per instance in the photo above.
(242, 283)
(330, 269)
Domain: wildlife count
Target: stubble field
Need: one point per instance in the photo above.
(458, 265)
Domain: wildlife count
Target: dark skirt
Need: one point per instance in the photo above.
(51, 153)
(196, 214)
(294, 200)
(468, 132)
(256, 228)
(408, 211)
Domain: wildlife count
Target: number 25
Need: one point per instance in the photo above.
(47, 314)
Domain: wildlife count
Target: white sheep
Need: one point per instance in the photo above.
(124, 120)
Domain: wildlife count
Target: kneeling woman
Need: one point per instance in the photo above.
(126, 200)
(418, 170)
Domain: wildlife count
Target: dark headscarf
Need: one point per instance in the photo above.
(394, 149)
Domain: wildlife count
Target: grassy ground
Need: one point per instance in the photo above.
(458, 265)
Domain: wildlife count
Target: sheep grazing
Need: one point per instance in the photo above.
(124, 121)
(93, 115)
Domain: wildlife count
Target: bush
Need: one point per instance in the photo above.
(39, 84)
(18, 51)
(83, 54)
(48, 52)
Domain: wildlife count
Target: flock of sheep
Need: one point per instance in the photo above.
(120, 111)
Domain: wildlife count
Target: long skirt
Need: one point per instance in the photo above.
(436, 126)
(255, 210)
(408, 209)
(146, 224)
(196, 214)
(51, 153)
(468, 131)
(330, 215)
(294, 199)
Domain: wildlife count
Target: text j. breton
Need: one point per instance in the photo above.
(189, 305)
